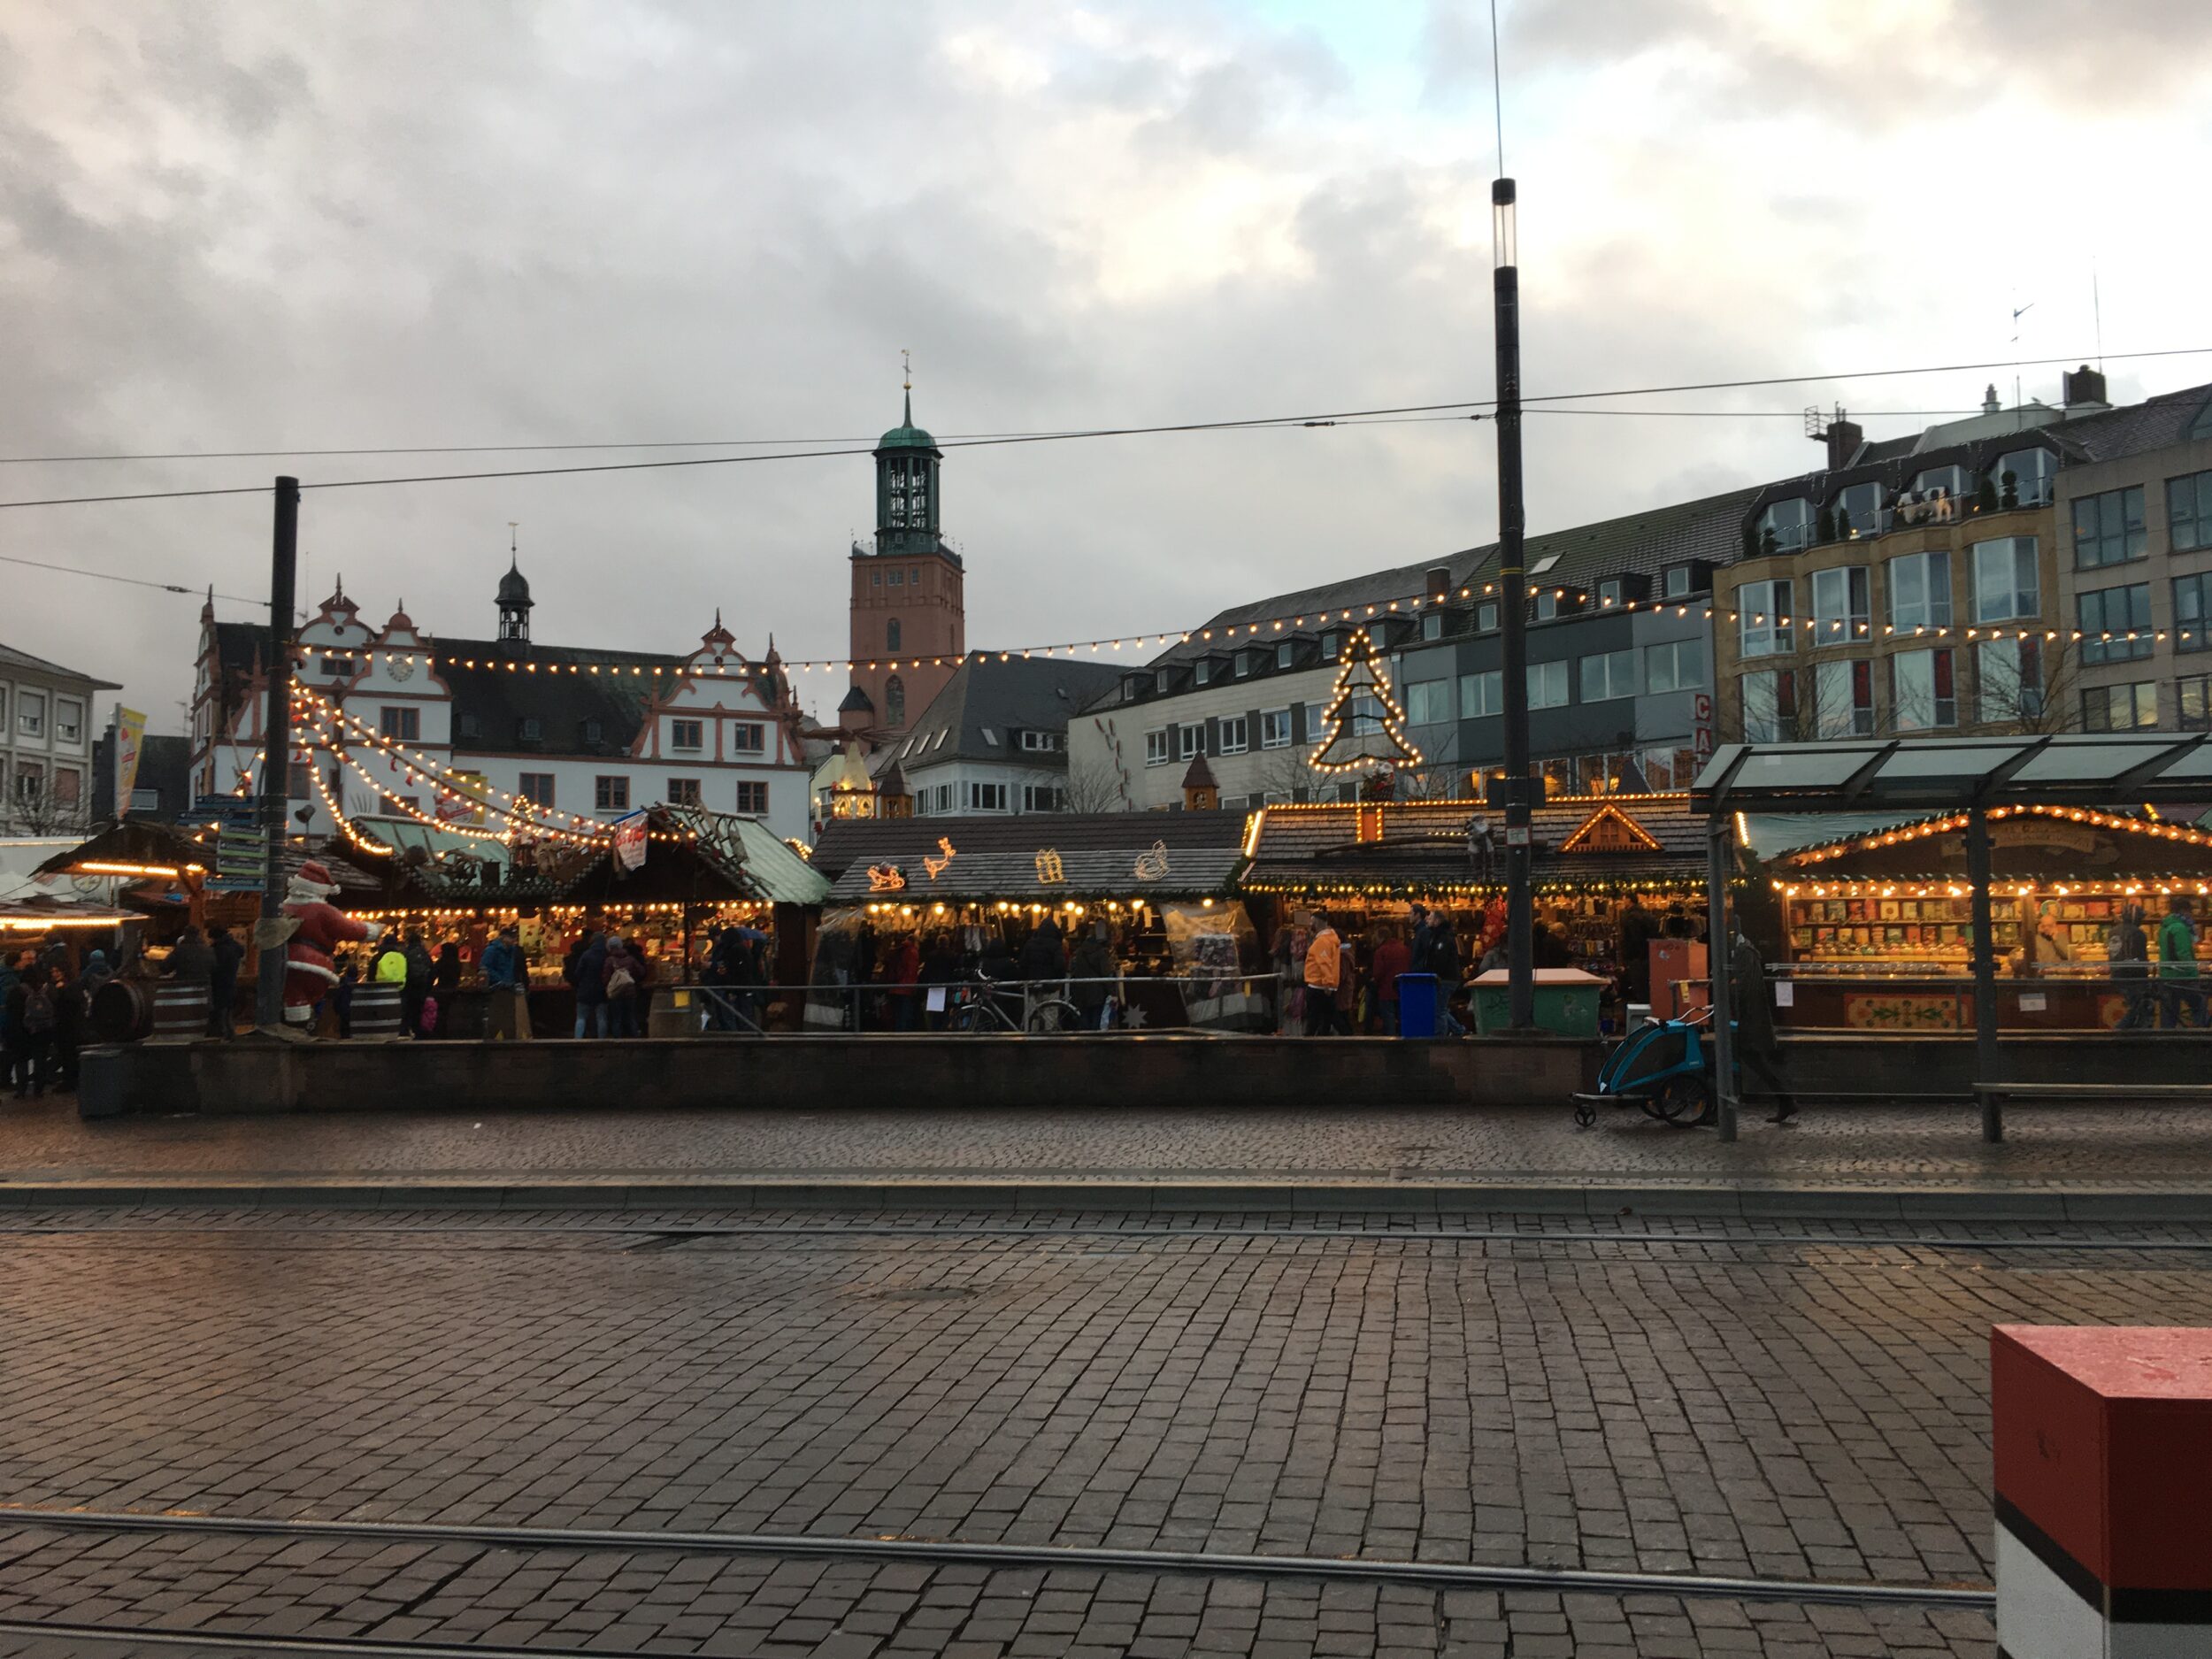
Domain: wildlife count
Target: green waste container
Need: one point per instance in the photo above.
(1566, 1002)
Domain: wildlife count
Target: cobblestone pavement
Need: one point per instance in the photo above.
(1709, 1397)
(2081, 1148)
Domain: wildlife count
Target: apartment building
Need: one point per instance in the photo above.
(2134, 562)
(46, 743)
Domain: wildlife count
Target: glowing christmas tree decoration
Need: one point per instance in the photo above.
(1360, 740)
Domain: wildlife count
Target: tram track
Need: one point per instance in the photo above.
(278, 1236)
(1072, 1557)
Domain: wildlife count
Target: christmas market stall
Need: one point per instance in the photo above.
(964, 896)
(1611, 873)
(1874, 916)
(672, 878)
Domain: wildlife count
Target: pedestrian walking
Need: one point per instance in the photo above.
(11, 976)
(222, 980)
(31, 1020)
(903, 971)
(69, 1030)
(588, 972)
(2127, 949)
(415, 989)
(507, 973)
(1325, 967)
(1090, 971)
(2177, 971)
(1752, 1008)
(622, 975)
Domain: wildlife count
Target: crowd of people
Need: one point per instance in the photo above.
(902, 969)
(44, 1010)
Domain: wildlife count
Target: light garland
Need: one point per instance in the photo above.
(1952, 823)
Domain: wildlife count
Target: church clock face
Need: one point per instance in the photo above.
(401, 668)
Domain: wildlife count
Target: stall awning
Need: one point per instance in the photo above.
(1034, 857)
(34, 918)
(1415, 848)
(135, 847)
(1902, 775)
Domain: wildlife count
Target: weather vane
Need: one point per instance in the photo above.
(906, 361)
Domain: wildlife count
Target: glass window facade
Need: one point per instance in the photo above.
(2008, 680)
(1761, 608)
(1839, 605)
(1843, 703)
(1607, 675)
(2191, 596)
(1429, 701)
(1920, 696)
(2109, 528)
(1919, 591)
(1481, 694)
(2120, 707)
(1676, 666)
(1768, 697)
(1547, 685)
(2189, 512)
(2006, 585)
(2108, 616)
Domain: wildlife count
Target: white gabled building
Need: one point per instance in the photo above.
(596, 734)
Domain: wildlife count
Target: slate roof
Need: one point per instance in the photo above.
(9, 658)
(2132, 428)
(996, 857)
(498, 700)
(1036, 694)
(1316, 851)
(1634, 544)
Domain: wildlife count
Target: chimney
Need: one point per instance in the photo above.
(1439, 586)
(1990, 405)
(1844, 439)
(2084, 385)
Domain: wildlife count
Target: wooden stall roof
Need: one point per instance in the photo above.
(2032, 843)
(1410, 848)
(1034, 857)
(136, 843)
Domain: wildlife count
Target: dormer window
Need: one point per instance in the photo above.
(594, 732)
(1544, 606)
(2032, 473)
(1859, 512)
(1282, 655)
(1786, 527)
(468, 726)
(1486, 616)
(1611, 592)
(1328, 647)
(1433, 626)
(527, 729)
(1677, 581)
(1244, 663)
(1202, 672)
(1160, 680)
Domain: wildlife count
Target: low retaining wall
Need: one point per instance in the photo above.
(1925, 1067)
(1097, 1073)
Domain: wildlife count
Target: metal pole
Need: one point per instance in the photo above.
(1716, 966)
(1513, 608)
(276, 751)
(1985, 974)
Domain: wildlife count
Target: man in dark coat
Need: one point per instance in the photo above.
(223, 979)
(591, 987)
(1751, 1006)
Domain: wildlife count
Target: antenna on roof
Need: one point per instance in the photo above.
(514, 544)
(2018, 311)
(2096, 312)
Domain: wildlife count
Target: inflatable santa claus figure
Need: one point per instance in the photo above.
(317, 929)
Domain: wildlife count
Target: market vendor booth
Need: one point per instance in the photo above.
(669, 886)
(1875, 919)
(1611, 873)
(971, 892)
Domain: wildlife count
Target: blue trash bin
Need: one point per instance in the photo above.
(1416, 1005)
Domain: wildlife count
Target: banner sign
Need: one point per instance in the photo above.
(130, 738)
(629, 840)
(454, 807)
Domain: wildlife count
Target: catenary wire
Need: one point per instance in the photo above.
(110, 576)
(1350, 417)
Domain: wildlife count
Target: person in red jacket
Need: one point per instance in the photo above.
(1392, 959)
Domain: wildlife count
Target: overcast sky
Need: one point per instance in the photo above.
(250, 226)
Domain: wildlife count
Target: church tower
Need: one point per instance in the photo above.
(908, 608)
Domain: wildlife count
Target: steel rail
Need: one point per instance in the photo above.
(274, 1234)
(1086, 1558)
(231, 1642)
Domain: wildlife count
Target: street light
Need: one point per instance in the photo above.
(1513, 601)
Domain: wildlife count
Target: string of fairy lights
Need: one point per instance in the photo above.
(735, 665)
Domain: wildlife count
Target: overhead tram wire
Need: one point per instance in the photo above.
(110, 576)
(1339, 417)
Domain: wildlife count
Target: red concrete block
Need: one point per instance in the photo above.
(2103, 1453)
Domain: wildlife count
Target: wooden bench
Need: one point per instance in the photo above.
(2094, 1091)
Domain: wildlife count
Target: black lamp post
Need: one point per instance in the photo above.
(1513, 606)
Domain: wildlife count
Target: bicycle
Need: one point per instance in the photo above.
(981, 1012)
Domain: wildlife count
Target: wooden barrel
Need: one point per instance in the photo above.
(121, 1012)
(376, 1011)
(180, 1011)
